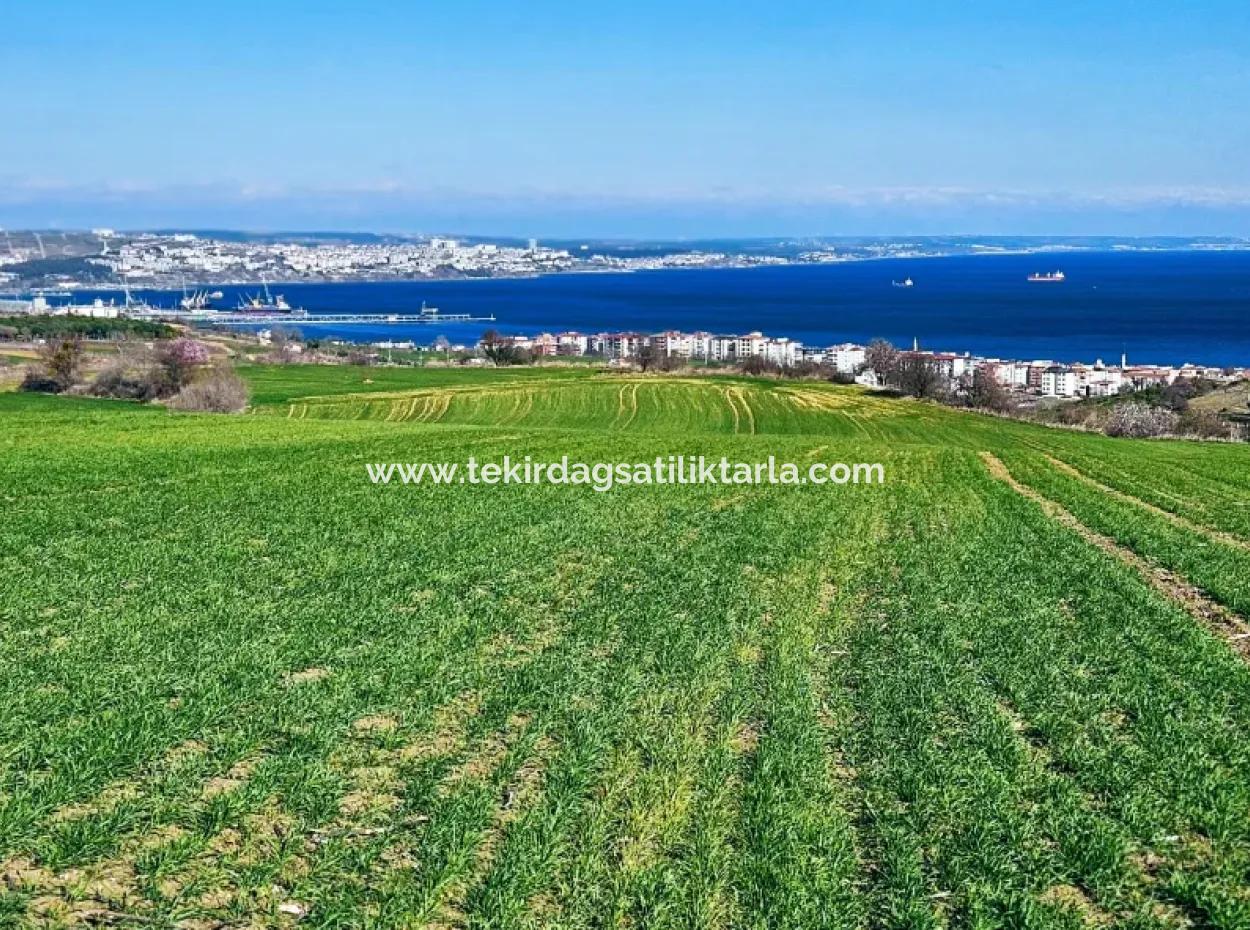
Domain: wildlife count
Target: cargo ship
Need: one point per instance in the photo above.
(906, 282)
(267, 303)
(195, 300)
(1048, 277)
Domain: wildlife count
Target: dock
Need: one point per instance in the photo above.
(223, 318)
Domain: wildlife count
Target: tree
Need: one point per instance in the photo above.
(918, 376)
(494, 347)
(985, 393)
(649, 356)
(1176, 396)
(62, 356)
(883, 359)
(177, 361)
(283, 344)
(1140, 421)
(501, 350)
(60, 362)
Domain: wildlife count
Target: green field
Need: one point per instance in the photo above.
(242, 686)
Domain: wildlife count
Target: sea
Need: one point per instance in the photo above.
(1165, 307)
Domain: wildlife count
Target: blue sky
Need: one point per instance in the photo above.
(631, 119)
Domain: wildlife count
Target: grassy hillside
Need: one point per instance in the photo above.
(243, 686)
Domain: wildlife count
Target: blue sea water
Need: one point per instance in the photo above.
(1166, 307)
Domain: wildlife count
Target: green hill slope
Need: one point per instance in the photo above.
(243, 685)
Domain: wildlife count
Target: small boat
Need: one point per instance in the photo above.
(906, 282)
(1048, 277)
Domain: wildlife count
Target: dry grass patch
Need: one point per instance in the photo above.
(1074, 899)
(305, 676)
(375, 723)
(234, 778)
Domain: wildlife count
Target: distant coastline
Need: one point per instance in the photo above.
(103, 259)
(1175, 305)
(106, 287)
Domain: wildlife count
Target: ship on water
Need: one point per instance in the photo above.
(196, 300)
(1048, 277)
(906, 282)
(267, 302)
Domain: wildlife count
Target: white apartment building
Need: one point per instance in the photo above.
(572, 343)
(616, 345)
(847, 358)
(753, 343)
(1058, 381)
(783, 351)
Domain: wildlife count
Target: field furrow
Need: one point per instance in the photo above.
(244, 686)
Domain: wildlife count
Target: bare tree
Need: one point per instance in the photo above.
(985, 393)
(919, 376)
(283, 345)
(649, 356)
(883, 359)
(500, 350)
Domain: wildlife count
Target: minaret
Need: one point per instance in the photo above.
(1123, 360)
(915, 344)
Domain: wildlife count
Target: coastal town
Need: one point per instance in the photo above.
(66, 263)
(1040, 377)
(71, 260)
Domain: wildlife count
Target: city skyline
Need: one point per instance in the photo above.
(645, 121)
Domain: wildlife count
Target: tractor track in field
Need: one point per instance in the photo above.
(733, 409)
(633, 405)
(746, 409)
(1175, 519)
(1213, 615)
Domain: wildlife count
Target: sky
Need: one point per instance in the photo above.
(660, 119)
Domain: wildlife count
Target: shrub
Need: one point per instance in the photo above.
(758, 365)
(60, 362)
(217, 391)
(1205, 424)
(1140, 421)
(802, 369)
(1076, 415)
(40, 382)
(119, 381)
